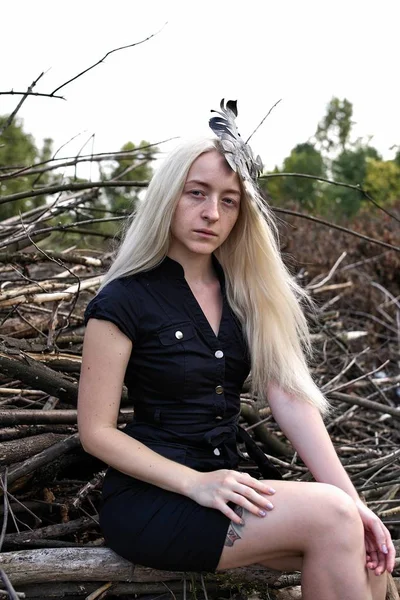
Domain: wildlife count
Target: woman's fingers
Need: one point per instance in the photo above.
(379, 543)
(258, 484)
(217, 488)
(229, 512)
(391, 554)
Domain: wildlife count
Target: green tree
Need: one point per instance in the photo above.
(333, 131)
(135, 168)
(304, 159)
(350, 166)
(382, 180)
(18, 150)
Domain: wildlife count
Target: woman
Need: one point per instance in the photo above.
(196, 296)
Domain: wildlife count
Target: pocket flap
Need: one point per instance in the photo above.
(175, 334)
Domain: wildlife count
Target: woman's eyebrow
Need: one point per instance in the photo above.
(204, 184)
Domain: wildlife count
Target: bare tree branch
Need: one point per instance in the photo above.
(103, 59)
(357, 188)
(286, 211)
(13, 114)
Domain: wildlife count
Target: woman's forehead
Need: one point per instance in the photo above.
(210, 165)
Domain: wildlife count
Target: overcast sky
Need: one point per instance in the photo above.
(303, 52)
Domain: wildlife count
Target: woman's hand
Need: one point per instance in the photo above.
(217, 488)
(378, 542)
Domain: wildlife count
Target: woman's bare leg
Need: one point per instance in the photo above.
(314, 528)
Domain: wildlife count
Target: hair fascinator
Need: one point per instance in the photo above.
(238, 153)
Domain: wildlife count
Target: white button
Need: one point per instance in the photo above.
(219, 354)
(178, 335)
(217, 452)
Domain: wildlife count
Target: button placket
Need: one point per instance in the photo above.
(219, 396)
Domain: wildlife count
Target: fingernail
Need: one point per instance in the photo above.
(272, 491)
(241, 522)
(384, 549)
(270, 505)
(262, 513)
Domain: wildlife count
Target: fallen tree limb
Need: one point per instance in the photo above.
(102, 564)
(350, 399)
(38, 376)
(51, 531)
(16, 450)
(55, 417)
(43, 458)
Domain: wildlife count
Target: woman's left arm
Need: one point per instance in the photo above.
(302, 424)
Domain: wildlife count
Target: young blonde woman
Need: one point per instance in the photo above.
(197, 296)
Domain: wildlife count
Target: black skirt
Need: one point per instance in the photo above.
(165, 530)
(160, 529)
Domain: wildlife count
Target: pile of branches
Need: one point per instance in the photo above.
(51, 544)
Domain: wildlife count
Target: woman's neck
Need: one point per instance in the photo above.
(198, 269)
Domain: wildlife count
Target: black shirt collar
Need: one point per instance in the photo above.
(173, 269)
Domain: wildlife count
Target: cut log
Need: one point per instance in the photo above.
(102, 564)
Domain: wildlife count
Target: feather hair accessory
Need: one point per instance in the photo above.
(238, 154)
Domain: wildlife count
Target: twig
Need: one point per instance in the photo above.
(5, 507)
(294, 213)
(104, 57)
(13, 114)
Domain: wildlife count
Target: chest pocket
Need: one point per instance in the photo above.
(172, 345)
(176, 334)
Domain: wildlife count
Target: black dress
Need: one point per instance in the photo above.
(184, 383)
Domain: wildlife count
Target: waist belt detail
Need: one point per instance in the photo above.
(265, 466)
(225, 433)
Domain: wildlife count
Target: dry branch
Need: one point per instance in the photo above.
(102, 564)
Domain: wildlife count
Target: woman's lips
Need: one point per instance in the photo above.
(205, 232)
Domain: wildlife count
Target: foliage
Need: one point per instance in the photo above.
(135, 168)
(132, 163)
(382, 180)
(333, 131)
(17, 151)
(350, 166)
(332, 154)
(304, 158)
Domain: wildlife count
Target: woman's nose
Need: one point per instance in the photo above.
(211, 210)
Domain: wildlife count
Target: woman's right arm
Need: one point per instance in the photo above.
(106, 353)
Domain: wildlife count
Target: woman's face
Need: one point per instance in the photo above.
(208, 208)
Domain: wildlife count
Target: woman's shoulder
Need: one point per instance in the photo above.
(118, 301)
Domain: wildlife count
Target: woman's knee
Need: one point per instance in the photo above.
(341, 520)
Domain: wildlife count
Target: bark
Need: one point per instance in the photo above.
(51, 531)
(16, 450)
(351, 399)
(38, 376)
(102, 564)
(39, 417)
(43, 458)
(24, 431)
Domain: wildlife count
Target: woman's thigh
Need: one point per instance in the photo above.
(305, 515)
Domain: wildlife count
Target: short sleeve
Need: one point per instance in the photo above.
(118, 304)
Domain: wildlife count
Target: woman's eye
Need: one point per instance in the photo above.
(197, 193)
(229, 201)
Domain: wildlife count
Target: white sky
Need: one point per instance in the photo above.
(303, 51)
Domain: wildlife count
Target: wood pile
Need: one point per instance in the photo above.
(50, 543)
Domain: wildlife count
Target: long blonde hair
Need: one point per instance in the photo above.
(260, 289)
